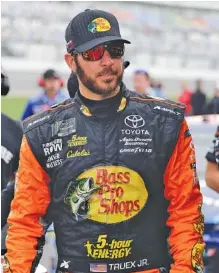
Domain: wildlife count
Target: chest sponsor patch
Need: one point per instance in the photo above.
(52, 147)
(107, 194)
(64, 127)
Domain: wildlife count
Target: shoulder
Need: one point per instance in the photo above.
(157, 105)
(7, 121)
(47, 117)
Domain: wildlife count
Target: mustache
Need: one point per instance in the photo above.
(106, 71)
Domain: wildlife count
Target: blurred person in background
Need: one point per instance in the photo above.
(185, 97)
(142, 83)
(80, 144)
(212, 169)
(212, 180)
(11, 136)
(52, 93)
(159, 91)
(198, 100)
(213, 106)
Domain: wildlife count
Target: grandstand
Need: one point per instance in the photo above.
(173, 40)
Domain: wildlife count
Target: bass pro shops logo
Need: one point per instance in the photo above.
(107, 194)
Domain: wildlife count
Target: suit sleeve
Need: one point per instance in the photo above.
(31, 200)
(185, 220)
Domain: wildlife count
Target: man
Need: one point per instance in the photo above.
(212, 180)
(213, 106)
(10, 146)
(51, 94)
(142, 83)
(198, 100)
(212, 169)
(159, 91)
(73, 84)
(185, 98)
(125, 195)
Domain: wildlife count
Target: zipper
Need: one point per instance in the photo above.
(103, 142)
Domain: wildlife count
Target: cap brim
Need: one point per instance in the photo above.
(99, 41)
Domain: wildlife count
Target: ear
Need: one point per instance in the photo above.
(69, 59)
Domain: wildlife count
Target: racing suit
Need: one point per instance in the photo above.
(125, 196)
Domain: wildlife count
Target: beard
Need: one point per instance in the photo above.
(96, 88)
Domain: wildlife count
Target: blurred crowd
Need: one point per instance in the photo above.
(196, 101)
(51, 84)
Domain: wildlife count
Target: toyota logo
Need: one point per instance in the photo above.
(134, 121)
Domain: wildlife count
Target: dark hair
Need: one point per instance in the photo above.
(142, 72)
(72, 85)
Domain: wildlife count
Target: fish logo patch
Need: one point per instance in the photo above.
(99, 25)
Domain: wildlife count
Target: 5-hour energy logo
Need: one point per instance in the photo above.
(104, 249)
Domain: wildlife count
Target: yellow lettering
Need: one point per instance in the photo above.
(95, 253)
(77, 141)
(71, 154)
(127, 251)
(121, 253)
(114, 254)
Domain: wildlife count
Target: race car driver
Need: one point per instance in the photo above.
(125, 196)
(73, 84)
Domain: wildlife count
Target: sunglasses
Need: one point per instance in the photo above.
(115, 51)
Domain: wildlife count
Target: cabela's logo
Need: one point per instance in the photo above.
(107, 194)
(99, 25)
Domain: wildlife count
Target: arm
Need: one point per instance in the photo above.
(212, 176)
(185, 218)
(212, 168)
(6, 197)
(31, 200)
(28, 111)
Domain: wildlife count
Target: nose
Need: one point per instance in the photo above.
(106, 59)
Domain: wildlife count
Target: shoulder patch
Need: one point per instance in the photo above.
(43, 117)
(176, 113)
(163, 106)
(35, 120)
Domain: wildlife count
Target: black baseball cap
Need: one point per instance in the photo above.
(50, 74)
(91, 28)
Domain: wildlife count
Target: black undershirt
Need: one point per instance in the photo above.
(102, 108)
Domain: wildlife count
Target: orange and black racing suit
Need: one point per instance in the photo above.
(125, 196)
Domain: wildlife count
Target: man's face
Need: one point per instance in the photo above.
(101, 77)
(52, 85)
(141, 83)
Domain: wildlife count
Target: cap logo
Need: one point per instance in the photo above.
(99, 25)
(69, 44)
